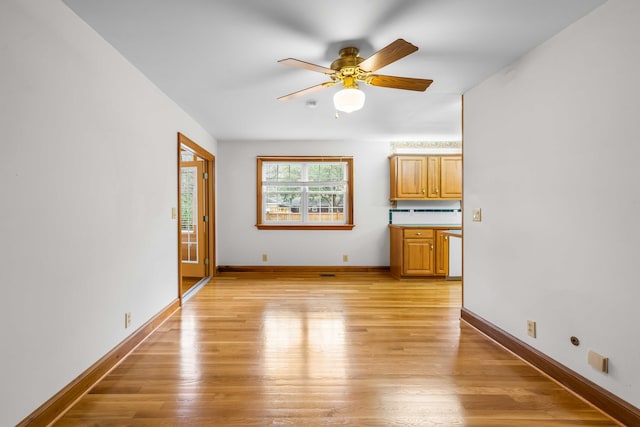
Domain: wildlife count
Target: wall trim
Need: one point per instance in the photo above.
(65, 398)
(299, 269)
(602, 399)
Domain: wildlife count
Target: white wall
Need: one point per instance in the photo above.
(551, 156)
(87, 182)
(240, 243)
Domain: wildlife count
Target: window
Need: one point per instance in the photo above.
(305, 193)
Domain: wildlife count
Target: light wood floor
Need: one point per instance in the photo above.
(306, 350)
(189, 282)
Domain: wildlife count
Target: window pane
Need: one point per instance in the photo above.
(278, 172)
(188, 199)
(326, 208)
(326, 172)
(188, 213)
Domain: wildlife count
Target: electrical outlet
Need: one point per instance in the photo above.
(265, 258)
(477, 215)
(598, 361)
(345, 258)
(531, 328)
(127, 319)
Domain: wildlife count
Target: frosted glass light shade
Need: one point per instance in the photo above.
(348, 100)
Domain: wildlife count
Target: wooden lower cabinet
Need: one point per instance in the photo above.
(442, 253)
(418, 257)
(419, 251)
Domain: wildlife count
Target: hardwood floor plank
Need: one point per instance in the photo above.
(355, 349)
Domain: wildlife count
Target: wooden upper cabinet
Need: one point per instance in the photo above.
(433, 177)
(408, 177)
(451, 177)
(425, 177)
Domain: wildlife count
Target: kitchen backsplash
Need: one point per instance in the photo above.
(426, 213)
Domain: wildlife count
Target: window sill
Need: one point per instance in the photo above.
(305, 227)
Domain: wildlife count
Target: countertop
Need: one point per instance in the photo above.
(438, 226)
(453, 233)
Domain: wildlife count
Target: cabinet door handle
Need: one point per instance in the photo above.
(418, 234)
(436, 190)
(423, 190)
(431, 247)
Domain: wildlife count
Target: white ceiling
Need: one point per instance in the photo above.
(217, 59)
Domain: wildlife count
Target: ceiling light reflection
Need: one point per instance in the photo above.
(304, 343)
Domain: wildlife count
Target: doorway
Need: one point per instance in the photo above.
(196, 216)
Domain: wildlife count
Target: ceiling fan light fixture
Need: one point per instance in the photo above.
(350, 69)
(348, 100)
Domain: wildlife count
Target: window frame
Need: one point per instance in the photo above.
(349, 223)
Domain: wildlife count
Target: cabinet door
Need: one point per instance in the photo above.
(442, 253)
(433, 177)
(411, 177)
(396, 246)
(418, 257)
(451, 177)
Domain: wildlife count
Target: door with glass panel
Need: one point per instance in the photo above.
(193, 217)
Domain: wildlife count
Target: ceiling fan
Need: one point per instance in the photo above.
(349, 69)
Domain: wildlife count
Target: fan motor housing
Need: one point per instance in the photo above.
(348, 58)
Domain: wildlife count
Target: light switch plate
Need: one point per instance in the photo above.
(477, 214)
(531, 328)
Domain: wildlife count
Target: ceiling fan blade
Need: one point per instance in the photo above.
(407, 83)
(306, 65)
(306, 91)
(385, 56)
